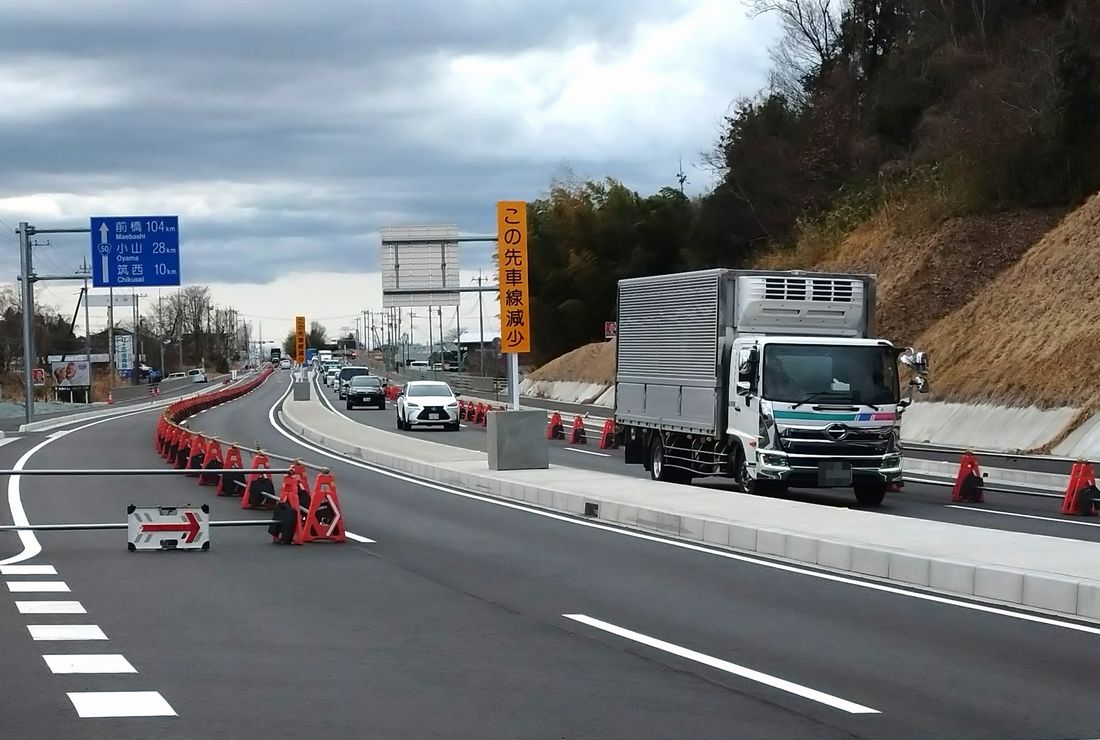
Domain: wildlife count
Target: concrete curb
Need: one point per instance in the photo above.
(1033, 589)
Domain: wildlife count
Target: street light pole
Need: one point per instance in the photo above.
(27, 269)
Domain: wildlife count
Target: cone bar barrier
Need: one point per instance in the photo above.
(968, 483)
(128, 471)
(115, 525)
(577, 435)
(1082, 480)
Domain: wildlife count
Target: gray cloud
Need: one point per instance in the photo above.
(288, 133)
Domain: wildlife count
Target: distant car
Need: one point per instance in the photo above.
(345, 376)
(427, 403)
(176, 376)
(197, 376)
(366, 390)
(419, 365)
(284, 364)
(330, 375)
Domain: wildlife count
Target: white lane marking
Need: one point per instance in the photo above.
(586, 452)
(1026, 516)
(9, 440)
(31, 546)
(724, 665)
(821, 575)
(120, 704)
(112, 663)
(50, 607)
(359, 538)
(27, 570)
(45, 587)
(53, 632)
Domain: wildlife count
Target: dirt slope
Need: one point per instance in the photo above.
(923, 277)
(592, 363)
(1032, 335)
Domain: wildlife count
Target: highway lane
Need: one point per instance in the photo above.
(1010, 512)
(913, 653)
(454, 624)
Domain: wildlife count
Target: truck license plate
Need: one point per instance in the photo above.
(831, 474)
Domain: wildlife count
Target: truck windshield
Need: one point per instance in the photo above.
(838, 373)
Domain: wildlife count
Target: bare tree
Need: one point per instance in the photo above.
(809, 40)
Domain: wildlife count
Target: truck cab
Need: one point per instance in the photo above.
(817, 412)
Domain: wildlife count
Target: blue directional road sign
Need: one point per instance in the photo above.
(135, 251)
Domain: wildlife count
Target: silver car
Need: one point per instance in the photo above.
(427, 403)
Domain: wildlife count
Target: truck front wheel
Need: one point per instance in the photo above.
(870, 494)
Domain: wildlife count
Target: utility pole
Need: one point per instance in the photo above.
(431, 342)
(87, 330)
(480, 325)
(27, 269)
(442, 346)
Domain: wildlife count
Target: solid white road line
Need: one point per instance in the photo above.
(120, 704)
(9, 440)
(45, 587)
(27, 570)
(88, 664)
(359, 538)
(724, 665)
(586, 452)
(54, 632)
(31, 546)
(50, 607)
(753, 560)
(1026, 516)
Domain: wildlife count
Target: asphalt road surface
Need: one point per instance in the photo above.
(1010, 512)
(479, 619)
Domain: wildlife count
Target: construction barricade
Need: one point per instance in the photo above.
(968, 486)
(1081, 492)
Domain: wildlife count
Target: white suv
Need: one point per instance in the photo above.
(427, 403)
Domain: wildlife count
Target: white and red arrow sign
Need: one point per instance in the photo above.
(167, 527)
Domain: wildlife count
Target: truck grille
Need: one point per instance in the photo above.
(857, 442)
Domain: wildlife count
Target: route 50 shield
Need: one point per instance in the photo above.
(168, 527)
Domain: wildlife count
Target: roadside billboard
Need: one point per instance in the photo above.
(71, 373)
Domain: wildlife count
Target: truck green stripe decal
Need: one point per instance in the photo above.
(813, 416)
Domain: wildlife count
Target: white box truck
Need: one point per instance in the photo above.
(773, 379)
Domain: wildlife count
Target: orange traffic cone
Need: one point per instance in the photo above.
(110, 398)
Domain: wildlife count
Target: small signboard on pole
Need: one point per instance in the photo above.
(515, 297)
(300, 339)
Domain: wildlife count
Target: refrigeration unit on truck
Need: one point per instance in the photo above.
(773, 379)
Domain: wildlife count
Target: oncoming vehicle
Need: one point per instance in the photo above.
(330, 374)
(344, 377)
(197, 375)
(427, 403)
(366, 390)
(284, 364)
(176, 376)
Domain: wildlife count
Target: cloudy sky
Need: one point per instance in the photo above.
(285, 134)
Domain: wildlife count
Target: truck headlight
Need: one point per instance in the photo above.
(774, 461)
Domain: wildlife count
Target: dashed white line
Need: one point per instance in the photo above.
(50, 607)
(586, 452)
(51, 632)
(88, 664)
(1025, 516)
(359, 538)
(45, 587)
(723, 665)
(27, 570)
(120, 704)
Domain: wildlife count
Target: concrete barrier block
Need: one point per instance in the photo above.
(659, 521)
(628, 515)
(692, 527)
(1088, 599)
(870, 561)
(516, 440)
(999, 584)
(742, 537)
(716, 533)
(770, 542)
(834, 555)
(802, 549)
(531, 494)
(546, 498)
(1050, 592)
(909, 568)
(946, 575)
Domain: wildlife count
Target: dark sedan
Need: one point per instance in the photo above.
(366, 390)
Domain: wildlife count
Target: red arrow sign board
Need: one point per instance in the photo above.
(169, 528)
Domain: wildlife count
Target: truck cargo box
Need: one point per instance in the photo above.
(675, 333)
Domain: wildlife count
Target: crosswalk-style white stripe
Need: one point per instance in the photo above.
(120, 704)
(44, 587)
(66, 632)
(50, 607)
(111, 663)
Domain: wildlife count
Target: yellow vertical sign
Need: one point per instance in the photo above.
(300, 339)
(515, 297)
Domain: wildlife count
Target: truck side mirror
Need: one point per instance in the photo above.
(747, 362)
